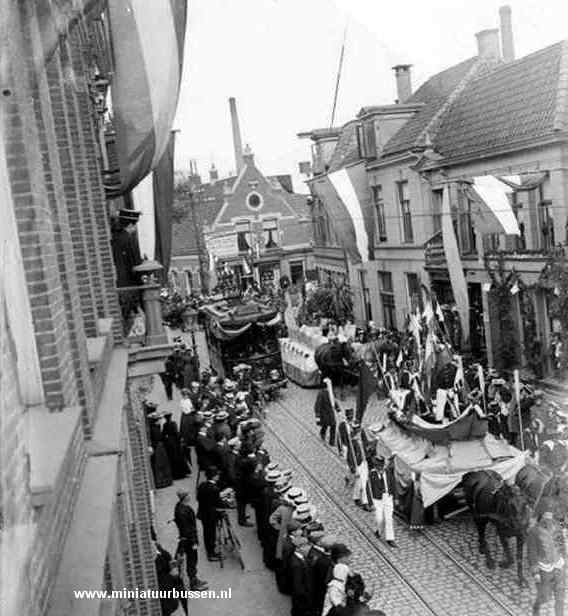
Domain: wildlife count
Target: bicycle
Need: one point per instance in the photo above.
(226, 540)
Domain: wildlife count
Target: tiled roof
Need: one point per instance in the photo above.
(433, 94)
(519, 101)
(299, 204)
(347, 149)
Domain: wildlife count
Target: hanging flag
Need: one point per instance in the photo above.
(246, 267)
(439, 312)
(163, 185)
(481, 379)
(493, 194)
(428, 313)
(399, 359)
(459, 379)
(212, 271)
(344, 195)
(147, 42)
(455, 268)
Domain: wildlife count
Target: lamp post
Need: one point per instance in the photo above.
(155, 332)
(190, 321)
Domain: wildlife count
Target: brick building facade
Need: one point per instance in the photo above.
(75, 483)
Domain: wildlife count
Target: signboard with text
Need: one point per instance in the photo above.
(223, 246)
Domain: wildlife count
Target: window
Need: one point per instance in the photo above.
(545, 221)
(254, 200)
(270, 229)
(437, 196)
(189, 281)
(414, 292)
(296, 271)
(243, 236)
(466, 237)
(367, 139)
(379, 205)
(402, 193)
(387, 299)
(366, 296)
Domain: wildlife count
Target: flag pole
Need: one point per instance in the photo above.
(518, 397)
(331, 395)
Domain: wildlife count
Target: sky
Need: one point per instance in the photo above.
(279, 59)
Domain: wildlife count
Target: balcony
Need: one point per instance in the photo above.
(434, 253)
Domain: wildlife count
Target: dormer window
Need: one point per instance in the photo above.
(254, 200)
(367, 139)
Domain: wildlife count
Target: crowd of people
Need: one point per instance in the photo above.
(221, 443)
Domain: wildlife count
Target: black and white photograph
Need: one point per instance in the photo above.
(283, 308)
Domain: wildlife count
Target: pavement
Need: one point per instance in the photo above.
(252, 591)
(437, 571)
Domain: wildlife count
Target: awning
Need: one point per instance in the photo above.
(228, 334)
(148, 41)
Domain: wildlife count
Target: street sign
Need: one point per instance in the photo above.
(223, 246)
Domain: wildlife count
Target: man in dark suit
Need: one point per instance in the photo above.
(209, 501)
(184, 517)
(301, 588)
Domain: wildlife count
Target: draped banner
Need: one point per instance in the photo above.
(494, 194)
(345, 198)
(455, 268)
(143, 201)
(164, 199)
(147, 40)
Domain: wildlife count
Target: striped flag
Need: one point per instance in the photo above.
(147, 40)
(345, 197)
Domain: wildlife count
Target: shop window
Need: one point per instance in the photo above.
(414, 292)
(296, 272)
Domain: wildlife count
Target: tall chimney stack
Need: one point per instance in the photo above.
(488, 44)
(403, 83)
(237, 142)
(507, 44)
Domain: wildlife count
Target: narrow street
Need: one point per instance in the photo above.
(419, 578)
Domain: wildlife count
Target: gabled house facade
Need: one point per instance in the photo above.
(489, 115)
(251, 223)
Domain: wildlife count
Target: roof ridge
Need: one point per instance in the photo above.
(561, 111)
(431, 130)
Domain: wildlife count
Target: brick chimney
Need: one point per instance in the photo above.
(237, 142)
(507, 44)
(488, 44)
(403, 83)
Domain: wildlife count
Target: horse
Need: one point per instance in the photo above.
(540, 486)
(491, 499)
(335, 361)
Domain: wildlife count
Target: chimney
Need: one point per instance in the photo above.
(507, 44)
(213, 174)
(248, 156)
(488, 44)
(237, 142)
(403, 84)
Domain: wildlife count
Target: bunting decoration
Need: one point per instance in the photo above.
(147, 41)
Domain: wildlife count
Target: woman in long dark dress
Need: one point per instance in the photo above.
(159, 461)
(174, 451)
